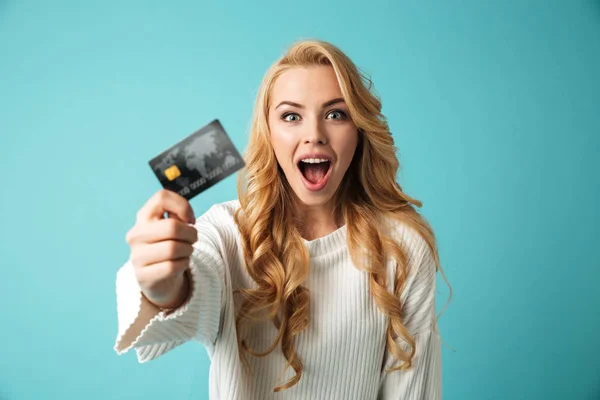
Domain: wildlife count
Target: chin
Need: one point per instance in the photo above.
(312, 199)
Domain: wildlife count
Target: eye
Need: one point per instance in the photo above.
(290, 117)
(337, 114)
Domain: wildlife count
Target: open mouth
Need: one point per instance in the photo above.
(314, 170)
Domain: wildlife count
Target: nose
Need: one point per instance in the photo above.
(315, 134)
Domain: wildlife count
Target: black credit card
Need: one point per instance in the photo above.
(196, 163)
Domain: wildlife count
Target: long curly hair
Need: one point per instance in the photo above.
(275, 255)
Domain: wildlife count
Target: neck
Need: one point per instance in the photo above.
(318, 221)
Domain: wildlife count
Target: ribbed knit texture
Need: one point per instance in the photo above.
(344, 347)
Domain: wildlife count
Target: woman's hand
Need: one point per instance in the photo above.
(161, 248)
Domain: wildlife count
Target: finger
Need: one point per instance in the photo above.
(164, 229)
(175, 216)
(166, 201)
(144, 254)
(162, 270)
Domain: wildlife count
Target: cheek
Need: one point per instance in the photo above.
(283, 147)
(347, 147)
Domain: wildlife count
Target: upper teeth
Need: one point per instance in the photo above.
(314, 160)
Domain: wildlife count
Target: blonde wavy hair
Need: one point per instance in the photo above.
(275, 255)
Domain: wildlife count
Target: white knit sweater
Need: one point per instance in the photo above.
(343, 349)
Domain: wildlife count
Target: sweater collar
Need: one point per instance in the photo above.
(328, 243)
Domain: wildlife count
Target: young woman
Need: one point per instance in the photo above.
(319, 282)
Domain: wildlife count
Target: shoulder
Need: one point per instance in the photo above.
(220, 212)
(217, 231)
(220, 216)
(421, 266)
(418, 295)
(409, 238)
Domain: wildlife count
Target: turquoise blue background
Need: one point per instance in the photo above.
(495, 110)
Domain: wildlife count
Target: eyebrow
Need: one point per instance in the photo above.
(326, 104)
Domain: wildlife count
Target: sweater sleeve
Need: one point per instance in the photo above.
(423, 381)
(151, 332)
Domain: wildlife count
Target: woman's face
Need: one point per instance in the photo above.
(311, 132)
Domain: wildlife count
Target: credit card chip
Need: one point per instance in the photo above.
(172, 172)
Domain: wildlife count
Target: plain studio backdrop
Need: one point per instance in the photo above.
(494, 108)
